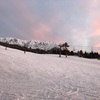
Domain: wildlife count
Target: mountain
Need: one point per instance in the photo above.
(34, 76)
(33, 44)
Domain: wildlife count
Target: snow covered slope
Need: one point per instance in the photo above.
(47, 77)
(33, 44)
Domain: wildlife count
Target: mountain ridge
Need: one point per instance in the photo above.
(33, 44)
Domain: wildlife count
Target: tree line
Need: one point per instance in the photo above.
(85, 54)
(62, 49)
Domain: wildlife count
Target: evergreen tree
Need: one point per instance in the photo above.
(65, 51)
(80, 53)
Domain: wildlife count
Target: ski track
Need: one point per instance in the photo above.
(47, 77)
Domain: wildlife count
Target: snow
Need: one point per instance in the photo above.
(13, 41)
(34, 44)
(33, 76)
(41, 45)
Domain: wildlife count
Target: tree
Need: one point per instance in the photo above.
(60, 50)
(64, 45)
(66, 49)
(6, 45)
(72, 53)
(80, 53)
(6, 48)
(85, 54)
(25, 48)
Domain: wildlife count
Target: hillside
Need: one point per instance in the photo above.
(33, 76)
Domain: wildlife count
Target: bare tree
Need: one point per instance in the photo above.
(60, 50)
(25, 46)
(6, 48)
(6, 45)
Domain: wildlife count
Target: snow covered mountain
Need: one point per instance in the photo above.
(34, 76)
(33, 44)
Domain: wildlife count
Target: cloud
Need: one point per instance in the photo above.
(95, 23)
(75, 22)
(40, 32)
(96, 27)
(15, 15)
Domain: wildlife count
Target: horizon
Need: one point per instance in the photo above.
(75, 22)
(73, 48)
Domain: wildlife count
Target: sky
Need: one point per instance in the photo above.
(74, 21)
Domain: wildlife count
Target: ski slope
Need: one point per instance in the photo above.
(33, 76)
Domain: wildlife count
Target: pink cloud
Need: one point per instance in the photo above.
(96, 33)
(97, 45)
(96, 26)
(36, 27)
(40, 32)
(93, 12)
(43, 32)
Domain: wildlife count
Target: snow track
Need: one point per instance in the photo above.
(47, 77)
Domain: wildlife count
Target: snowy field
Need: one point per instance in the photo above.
(47, 77)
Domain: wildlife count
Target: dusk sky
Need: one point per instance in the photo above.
(74, 21)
